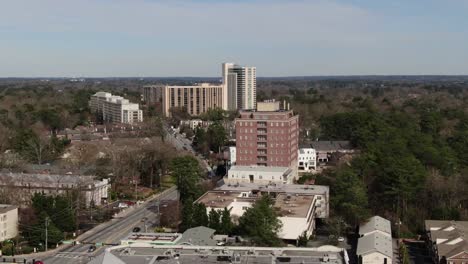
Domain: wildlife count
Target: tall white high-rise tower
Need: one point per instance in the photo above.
(240, 86)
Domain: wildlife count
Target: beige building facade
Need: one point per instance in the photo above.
(8, 222)
(196, 99)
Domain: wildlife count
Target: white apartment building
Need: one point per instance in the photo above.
(298, 205)
(240, 86)
(307, 159)
(259, 175)
(8, 222)
(115, 109)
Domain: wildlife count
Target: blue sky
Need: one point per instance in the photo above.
(99, 38)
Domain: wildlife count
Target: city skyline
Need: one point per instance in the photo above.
(144, 38)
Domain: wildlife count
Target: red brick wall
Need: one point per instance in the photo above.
(282, 131)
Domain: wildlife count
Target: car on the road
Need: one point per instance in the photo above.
(91, 248)
(136, 229)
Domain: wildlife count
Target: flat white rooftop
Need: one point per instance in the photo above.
(275, 187)
(259, 169)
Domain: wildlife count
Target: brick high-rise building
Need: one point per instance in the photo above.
(267, 137)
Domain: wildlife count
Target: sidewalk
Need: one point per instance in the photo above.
(45, 254)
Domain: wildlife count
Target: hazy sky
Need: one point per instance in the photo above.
(193, 37)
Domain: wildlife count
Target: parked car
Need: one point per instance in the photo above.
(136, 229)
(341, 239)
(91, 248)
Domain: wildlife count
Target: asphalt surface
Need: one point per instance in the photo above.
(120, 228)
(112, 233)
(181, 143)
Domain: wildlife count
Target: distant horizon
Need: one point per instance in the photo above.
(219, 77)
(134, 38)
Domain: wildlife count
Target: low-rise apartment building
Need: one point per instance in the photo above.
(298, 205)
(115, 109)
(259, 175)
(22, 186)
(448, 240)
(8, 222)
(307, 159)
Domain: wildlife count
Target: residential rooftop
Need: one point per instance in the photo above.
(375, 242)
(331, 146)
(451, 237)
(376, 223)
(6, 208)
(44, 180)
(198, 236)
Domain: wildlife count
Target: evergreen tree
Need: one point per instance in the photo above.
(217, 136)
(302, 240)
(226, 223)
(200, 217)
(214, 220)
(187, 215)
(186, 171)
(261, 223)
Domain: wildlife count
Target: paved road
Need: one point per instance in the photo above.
(181, 143)
(112, 233)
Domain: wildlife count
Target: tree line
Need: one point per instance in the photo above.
(408, 169)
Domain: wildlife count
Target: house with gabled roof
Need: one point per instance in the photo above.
(375, 242)
(376, 224)
(448, 240)
(375, 248)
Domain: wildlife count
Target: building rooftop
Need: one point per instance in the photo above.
(213, 254)
(209, 85)
(276, 188)
(292, 205)
(451, 237)
(265, 115)
(290, 200)
(6, 207)
(375, 242)
(44, 180)
(376, 223)
(199, 236)
(331, 145)
(154, 237)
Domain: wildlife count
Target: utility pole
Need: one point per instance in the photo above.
(46, 231)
